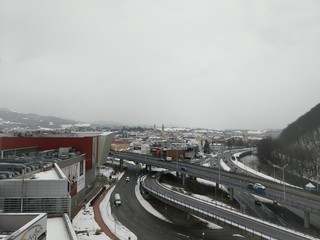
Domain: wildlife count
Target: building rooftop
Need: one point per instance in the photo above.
(56, 229)
(36, 165)
(47, 175)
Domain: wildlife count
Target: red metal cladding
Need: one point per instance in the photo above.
(81, 144)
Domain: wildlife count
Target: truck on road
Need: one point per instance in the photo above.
(117, 199)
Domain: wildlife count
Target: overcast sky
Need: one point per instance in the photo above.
(212, 64)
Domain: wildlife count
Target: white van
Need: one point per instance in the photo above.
(117, 199)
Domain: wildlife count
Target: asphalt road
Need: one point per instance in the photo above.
(258, 226)
(247, 200)
(274, 191)
(146, 226)
(299, 198)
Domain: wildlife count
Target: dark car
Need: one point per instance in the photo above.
(258, 203)
(183, 169)
(250, 186)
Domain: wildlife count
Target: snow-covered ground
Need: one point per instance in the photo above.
(85, 222)
(252, 171)
(224, 166)
(110, 220)
(54, 224)
(198, 197)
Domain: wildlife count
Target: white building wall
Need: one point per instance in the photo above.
(33, 188)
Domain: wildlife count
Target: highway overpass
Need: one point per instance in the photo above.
(247, 224)
(295, 197)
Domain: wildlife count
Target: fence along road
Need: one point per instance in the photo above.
(295, 197)
(231, 217)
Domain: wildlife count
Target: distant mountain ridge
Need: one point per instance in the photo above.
(10, 119)
(15, 120)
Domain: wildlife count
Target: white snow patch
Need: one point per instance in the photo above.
(47, 175)
(224, 166)
(56, 229)
(115, 226)
(206, 182)
(84, 221)
(259, 174)
(147, 205)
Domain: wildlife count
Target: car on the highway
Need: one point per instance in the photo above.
(127, 179)
(250, 186)
(258, 203)
(184, 169)
(259, 186)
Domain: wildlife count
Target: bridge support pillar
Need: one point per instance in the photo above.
(121, 163)
(148, 168)
(183, 179)
(216, 188)
(306, 219)
(231, 193)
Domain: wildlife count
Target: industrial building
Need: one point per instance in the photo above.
(49, 174)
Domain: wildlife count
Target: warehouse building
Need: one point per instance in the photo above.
(48, 174)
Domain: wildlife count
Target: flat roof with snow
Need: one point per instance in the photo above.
(56, 229)
(47, 175)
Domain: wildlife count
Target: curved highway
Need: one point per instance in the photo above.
(146, 226)
(234, 218)
(295, 197)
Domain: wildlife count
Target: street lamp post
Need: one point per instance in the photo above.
(284, 186)
(219, 174)
(115, 222)
(219, 177)
(316, 162)
(317, 174)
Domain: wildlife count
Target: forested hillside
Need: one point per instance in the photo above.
(307, 124)
(298, 145)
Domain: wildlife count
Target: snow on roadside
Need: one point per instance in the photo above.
(206, 182)
(147, 205)
(84, 222)
(210, 225)
(196, 196)
(105, 171)
(262, 199)
(210, 183)
(224, 166)
(259, 174)
(109, 219)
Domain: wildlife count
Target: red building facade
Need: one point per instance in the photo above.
(86, 144)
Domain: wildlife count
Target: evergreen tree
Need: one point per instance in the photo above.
(206, 148)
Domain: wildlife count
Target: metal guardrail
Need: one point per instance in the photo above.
(198, 211)
(208, 176)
